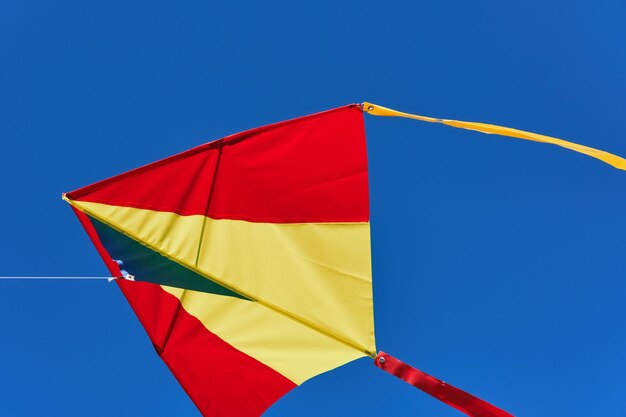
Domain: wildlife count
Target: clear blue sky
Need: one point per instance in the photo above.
(499, 265)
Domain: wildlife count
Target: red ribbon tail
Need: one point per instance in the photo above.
(444, 392)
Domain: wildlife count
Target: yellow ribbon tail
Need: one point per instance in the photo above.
(611, 159)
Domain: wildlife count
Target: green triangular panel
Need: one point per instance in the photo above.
(149, 266)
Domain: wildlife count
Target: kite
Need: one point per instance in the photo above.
(247, 259)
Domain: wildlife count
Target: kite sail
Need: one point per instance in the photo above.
(247, 260)
(254, 249)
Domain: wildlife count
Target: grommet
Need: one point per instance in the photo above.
(381, 360)
(370, 108)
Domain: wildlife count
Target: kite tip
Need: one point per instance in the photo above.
(366, 107)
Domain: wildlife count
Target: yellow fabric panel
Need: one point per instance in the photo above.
(175, 236)
(611, 159)
(296, 351)
(318, 274)
(321, 272)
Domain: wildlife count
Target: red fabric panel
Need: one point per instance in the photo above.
(309, 169)
(221, 380)
(154, 312)
(454, 397)
(176, 184)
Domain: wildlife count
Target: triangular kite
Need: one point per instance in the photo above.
(247, 260)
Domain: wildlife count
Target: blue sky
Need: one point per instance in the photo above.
(498, 264)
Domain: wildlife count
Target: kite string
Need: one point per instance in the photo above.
(57, 278)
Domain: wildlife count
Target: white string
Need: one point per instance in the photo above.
(50, 277)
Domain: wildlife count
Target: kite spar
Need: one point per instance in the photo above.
(251, 258)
